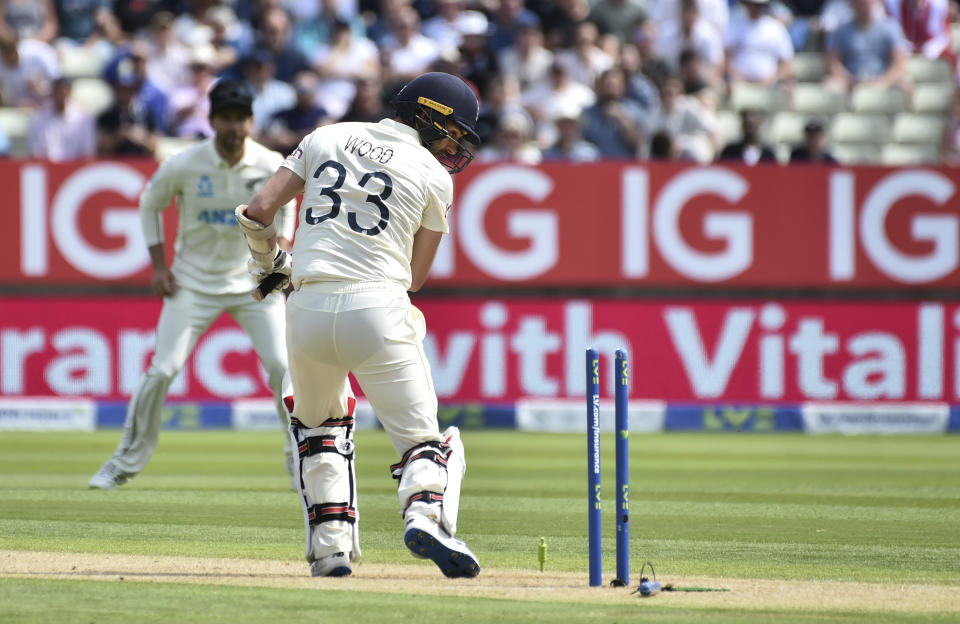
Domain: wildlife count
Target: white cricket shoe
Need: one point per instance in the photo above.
(337, 564)
(428, 540)
(108, 477)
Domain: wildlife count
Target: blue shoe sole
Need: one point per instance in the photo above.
(452, 563)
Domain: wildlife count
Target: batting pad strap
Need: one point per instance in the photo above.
(434, 451)
(423, 497)
(329, 512)
(326, 444)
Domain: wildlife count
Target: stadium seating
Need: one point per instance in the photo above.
(817, 99)
(932, 98)
(81, 62)
(918, 128)
(787, 128)
(920, 69)
(93, 94)
(15, 123)
(728, 126)
(745, 95)
(867, 98)
(860, 128)
(896, 154)
(809, 67)
(855, 153)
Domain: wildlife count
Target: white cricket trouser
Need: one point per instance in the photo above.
(184, 318)
(371, 330)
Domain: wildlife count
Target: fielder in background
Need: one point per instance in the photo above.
(375, 201)
(209, 274)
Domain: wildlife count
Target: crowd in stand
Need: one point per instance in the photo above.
(574, 80)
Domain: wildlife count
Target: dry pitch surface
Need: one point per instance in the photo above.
(508, 584)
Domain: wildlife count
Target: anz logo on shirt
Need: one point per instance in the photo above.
(217, 217)
(205, 187)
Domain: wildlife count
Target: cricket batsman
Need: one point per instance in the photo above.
(375, 202)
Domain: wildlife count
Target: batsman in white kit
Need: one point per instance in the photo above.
(209, 274)
(375, 199)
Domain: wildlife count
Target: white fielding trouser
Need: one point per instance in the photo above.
(184, 318)
(371, 330)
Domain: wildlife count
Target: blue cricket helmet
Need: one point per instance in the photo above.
(427, 101)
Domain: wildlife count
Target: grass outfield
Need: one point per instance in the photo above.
(785, 521)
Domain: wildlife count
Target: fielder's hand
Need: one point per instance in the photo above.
(164, 283)
(276, 278)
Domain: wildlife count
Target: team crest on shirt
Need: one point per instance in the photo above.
(205, 187)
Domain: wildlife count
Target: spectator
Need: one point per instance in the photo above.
(509, 18)
(617, 17)
(288, 127)
(476, 63)
(133, 17)
(276, 37)
(570, 145)
(615, 124)
(445, 27)
(585, 59)
(925, 24)
(382, 22)
(692, 32)
(867, 49)
(652, 64)
(85, 22)
(271, 95)
(814, 148)
(27, 69)
(662, 146)
(562, 90)
(368, 103)
(805, 28)
(512, 141)
(409, 52)
(128, 72)
(167, 59)
(231, 39)
(749, 150)
(318, 30)
(501, 95)
(559, 20)
(189, 104)
(640, 89)
(129, 127)
(529, 60)
(692, 128)
(758, 47)
(950, 140)
(30, 19)
(697, 80)
(62, 130)
(666, 14)
(340, 63)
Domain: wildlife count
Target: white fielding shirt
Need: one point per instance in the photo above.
(368, 188)
(211, 251)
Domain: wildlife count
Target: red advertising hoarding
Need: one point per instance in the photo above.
(499, 351)
(600, 224)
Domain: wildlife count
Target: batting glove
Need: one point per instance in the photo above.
(270, 280)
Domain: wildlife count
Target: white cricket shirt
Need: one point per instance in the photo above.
(368, 188)
(211, 252)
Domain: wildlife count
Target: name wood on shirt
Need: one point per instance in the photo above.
(366, 149)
